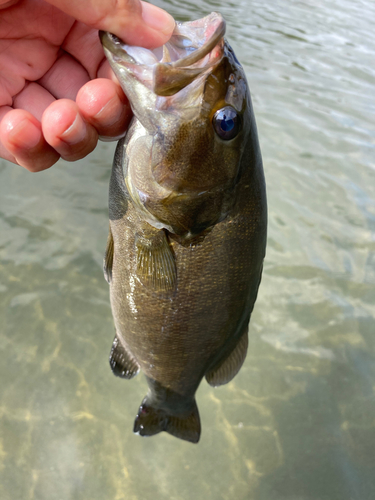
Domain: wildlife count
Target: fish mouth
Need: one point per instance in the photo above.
(193, 49)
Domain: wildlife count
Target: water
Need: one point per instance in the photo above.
(298, 422)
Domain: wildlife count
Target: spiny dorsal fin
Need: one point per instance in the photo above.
(122, 362)
(156, 266)
(108, 258)
(228, 368)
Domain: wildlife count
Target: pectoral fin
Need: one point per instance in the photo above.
(228, 368)
(122, 362)
(108, 258)
(156, 266)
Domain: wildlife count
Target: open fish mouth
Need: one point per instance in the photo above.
(193, 50)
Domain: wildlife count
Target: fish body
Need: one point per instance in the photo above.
(187, 209)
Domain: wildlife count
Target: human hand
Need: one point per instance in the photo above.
(57, 92)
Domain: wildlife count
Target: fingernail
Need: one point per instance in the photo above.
(25, 135)
(157, 19)
(110, 113)
(75, 133)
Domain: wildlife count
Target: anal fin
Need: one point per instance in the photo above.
(156, 266)
(108, 258)
(122, 363)
(228, 368)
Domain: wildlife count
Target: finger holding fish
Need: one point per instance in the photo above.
(44, 62)
(36, 143)
(22, 141)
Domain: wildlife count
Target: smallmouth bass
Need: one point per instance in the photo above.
(188, 221)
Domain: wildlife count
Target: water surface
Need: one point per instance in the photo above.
(298, 422)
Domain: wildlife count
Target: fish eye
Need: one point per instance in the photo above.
(227, 123)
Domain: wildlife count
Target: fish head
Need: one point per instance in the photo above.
(192, 98)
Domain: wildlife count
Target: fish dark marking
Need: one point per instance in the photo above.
(108, 258)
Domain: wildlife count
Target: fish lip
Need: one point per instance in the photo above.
(214, 22)
(190, 60)
(208, 46)
(114, 45)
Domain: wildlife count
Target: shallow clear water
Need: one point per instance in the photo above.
(298, 421)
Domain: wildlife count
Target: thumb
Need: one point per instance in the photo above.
(134, 21)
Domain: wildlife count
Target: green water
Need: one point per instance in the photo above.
(298, 422)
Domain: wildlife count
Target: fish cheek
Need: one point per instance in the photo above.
(175, 156)
(228, 154)
(160, 174)
(193, 158)
(138, 163)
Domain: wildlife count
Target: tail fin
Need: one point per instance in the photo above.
(151, 421)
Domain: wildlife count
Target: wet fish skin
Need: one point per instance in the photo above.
(187, 240)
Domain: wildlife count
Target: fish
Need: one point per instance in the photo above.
(188, 221)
